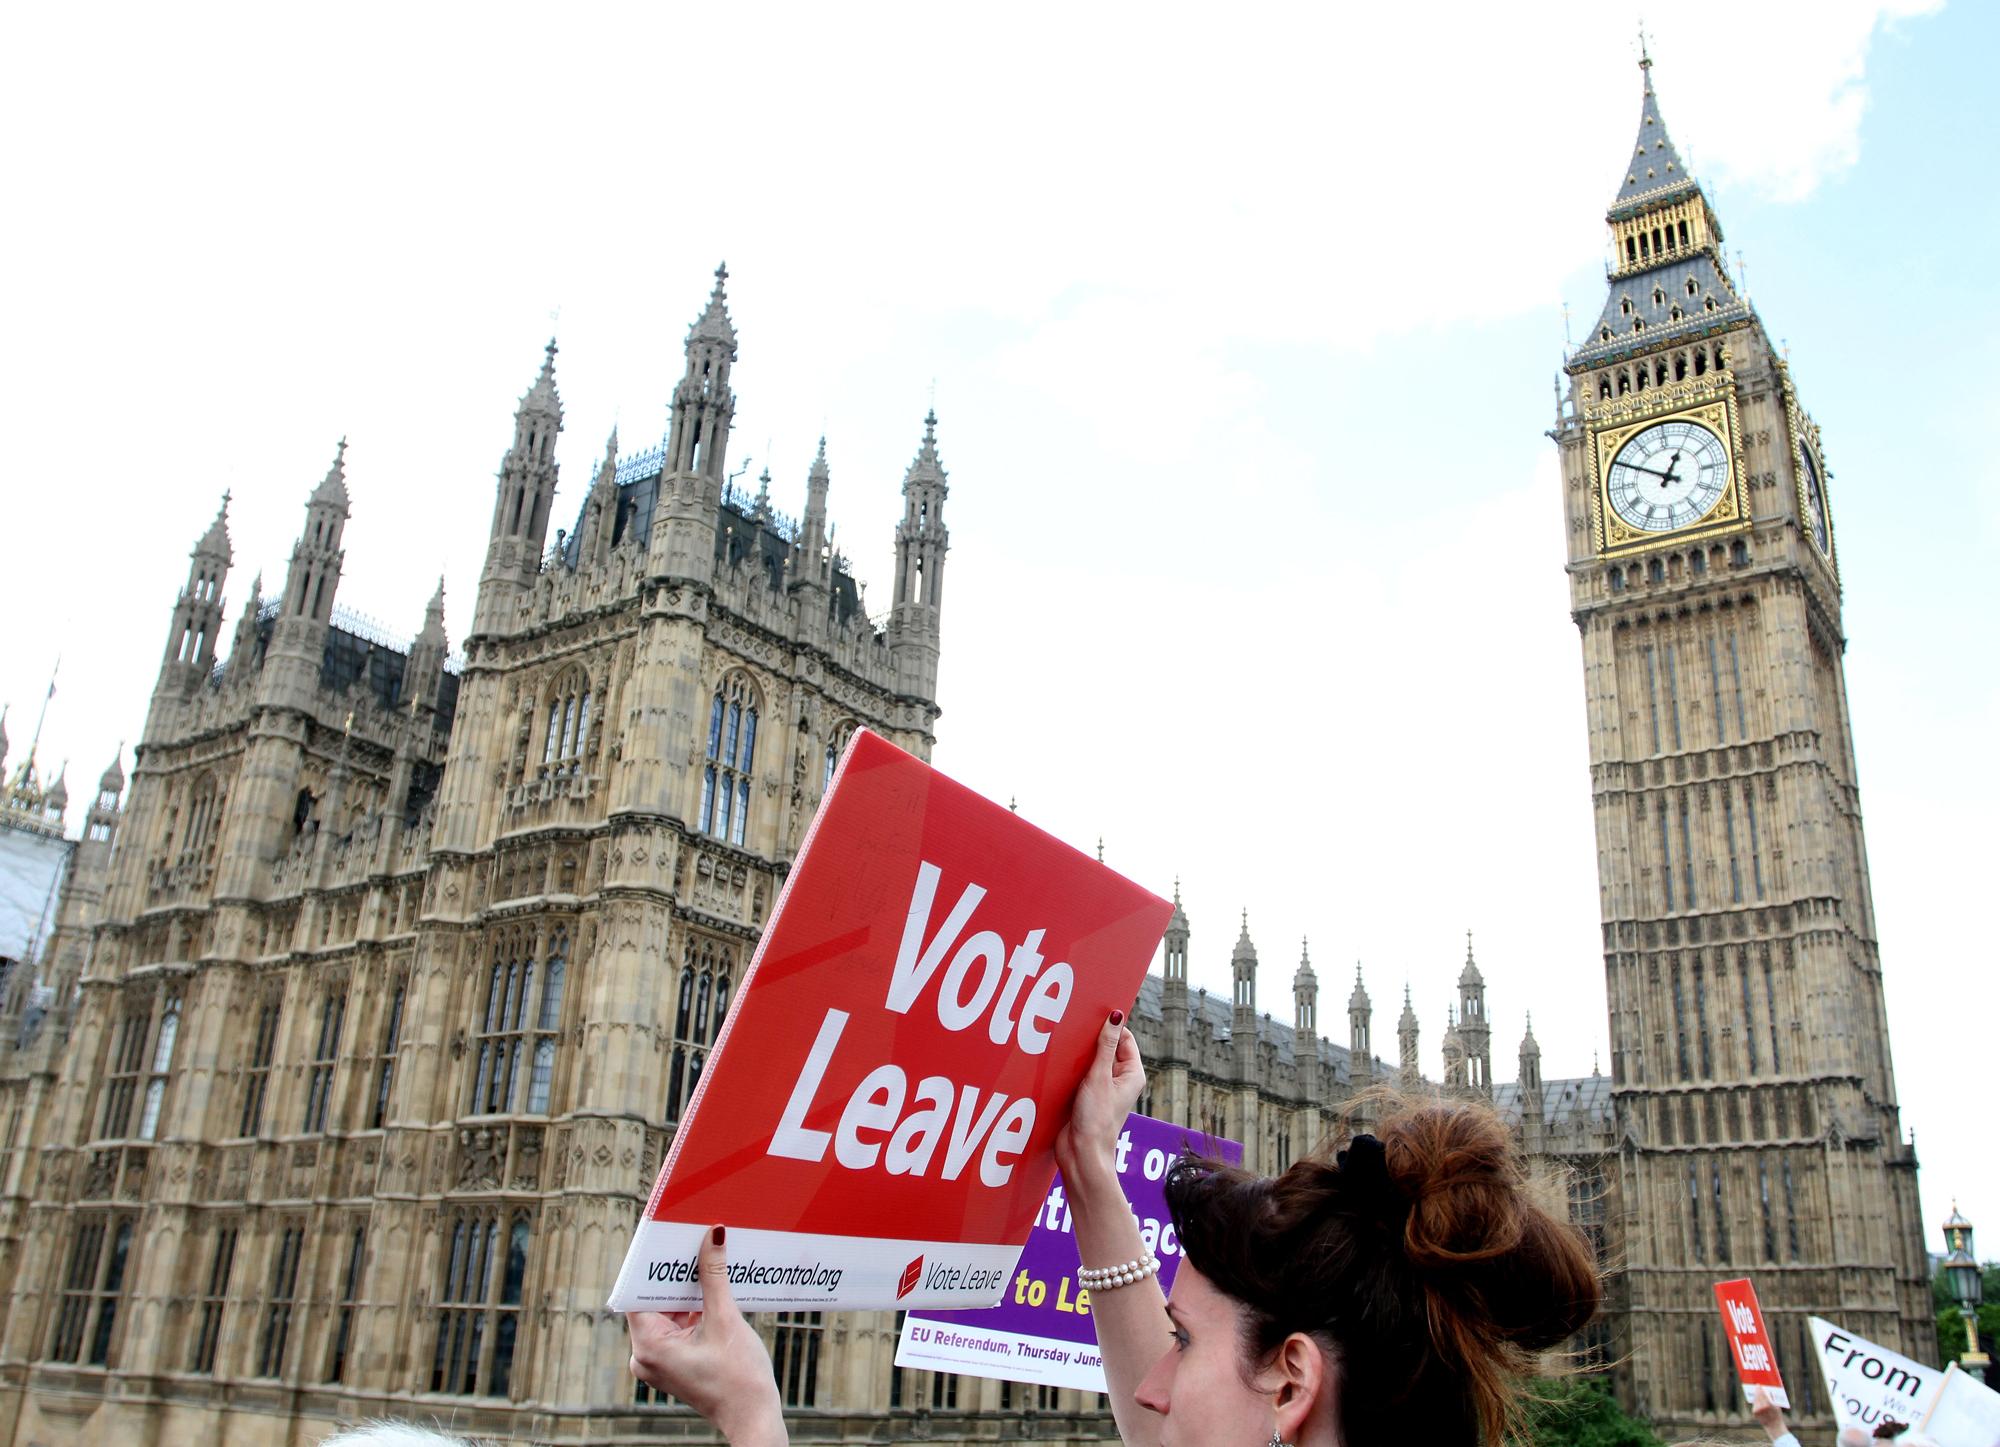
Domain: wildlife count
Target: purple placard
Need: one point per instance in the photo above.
(1041, 1331)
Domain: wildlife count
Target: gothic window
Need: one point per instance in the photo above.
(1625, 306)
(548, 1022)
(1764, 1199)
(1701, 1010)
(732, 750)
(568, 734)
(944, 1391)
(1653, 702)
(706, 969)
(1791, 1210)
(1715, 680)
(795, 1356)
(1617, 577)
(163, 1059)
(1656, 571)
(834, 749)
(1707, 1364)
(1666, 862)
(1736, 685)
(1750, 811)
(92, 1289)
(350, 1296)
(1680, 1023)
(1743, 976)
(326, 1051)
(1721, 1213)
(126, 1064)
(1735, 876)
(1701, 356)
(1694, 1210)
(502, 1027)
(1739, 552)
(201, 816)
(1687, 857)
(1673, 699)
(277, 1330)
(257, 1078)
(385, 1061)
(480, 1306)
(214, 1301)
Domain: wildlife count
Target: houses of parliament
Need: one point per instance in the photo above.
(374, 994)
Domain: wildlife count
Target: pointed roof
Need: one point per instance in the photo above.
(713, 325)
(1359, 999)
(1408, 1024)
(113, 780)
(332, 489)
(1245, 952)
(1528, 1042)
(433, 630)
(1304, 976)
(542, 396)
(1178, 920)
(58, 796)
(215, 542)
(1654, 171)
(925, 468)
(1470, 974)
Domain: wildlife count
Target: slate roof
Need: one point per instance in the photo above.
(1585, 1099)
(1654, 172)
(1216, 1015)
(1656, 319)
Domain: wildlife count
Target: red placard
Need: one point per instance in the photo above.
(876, 1124)
(1749, 1342)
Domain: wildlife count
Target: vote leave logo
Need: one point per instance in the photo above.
(903, 1048)
(907, 1282)
(1749, 1341)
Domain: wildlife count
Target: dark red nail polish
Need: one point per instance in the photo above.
(1118, 1017)
(716, 1235)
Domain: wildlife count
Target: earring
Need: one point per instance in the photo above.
(1277, 1441)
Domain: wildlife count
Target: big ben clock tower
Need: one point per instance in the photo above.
(1755, 1099)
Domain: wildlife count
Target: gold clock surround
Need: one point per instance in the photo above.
(1711, 403)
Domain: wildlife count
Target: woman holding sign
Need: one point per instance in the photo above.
(1397, 1293)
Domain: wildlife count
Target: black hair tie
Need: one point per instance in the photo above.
(1364, 1178)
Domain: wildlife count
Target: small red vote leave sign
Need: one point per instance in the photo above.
(1749, 1342)
(876, 1124)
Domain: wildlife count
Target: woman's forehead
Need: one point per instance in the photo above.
(1194, 1295)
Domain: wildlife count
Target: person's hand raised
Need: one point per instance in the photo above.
(711, 1359)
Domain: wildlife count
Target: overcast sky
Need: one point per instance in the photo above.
(1241, 329)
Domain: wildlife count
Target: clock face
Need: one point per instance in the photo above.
(1822, 531)
(1668, 476)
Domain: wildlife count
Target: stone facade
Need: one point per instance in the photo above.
(1754, 1099)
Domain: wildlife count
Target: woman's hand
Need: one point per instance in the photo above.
(711, 1359)
(1087, 1145)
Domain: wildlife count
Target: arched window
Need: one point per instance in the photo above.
(567, 734)
(706, 970)
(732, 752)
(502, 1027)
(548, 1022)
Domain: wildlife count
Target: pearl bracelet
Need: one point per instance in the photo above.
(1125, 1273)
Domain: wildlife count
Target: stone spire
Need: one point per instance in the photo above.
(1360, 1013)
(1243, 968)
(1655, 167)
(1406, 1041)
(314, 572)
(1475, 1031)
(1176, 958)
(112, 781)
(713, 325)
(698, 437)
(197, 617)
(921, 543)
(332, 489)
(812, 544)
(1305, 997)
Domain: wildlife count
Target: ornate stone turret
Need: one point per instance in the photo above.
(425, 670)
(525, 487)
(1531, 1088)
(1454, 1053)
(1305, 999)
(1474, 1031)
(811, 561)
(921, 543)
(190, 651)
(598, 531)
(690, 490)
(1243, 969)
(1411, 1070)
(1359, 1047)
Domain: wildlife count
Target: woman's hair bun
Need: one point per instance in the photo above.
(1478, 1234)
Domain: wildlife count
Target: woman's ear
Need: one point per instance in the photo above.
(1301, 1376)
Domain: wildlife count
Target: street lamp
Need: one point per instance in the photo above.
(1961, 1274)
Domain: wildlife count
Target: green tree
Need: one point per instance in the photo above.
(1581, 1412)
(1951, 1321)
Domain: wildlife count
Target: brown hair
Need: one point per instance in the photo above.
(1418, 1256)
